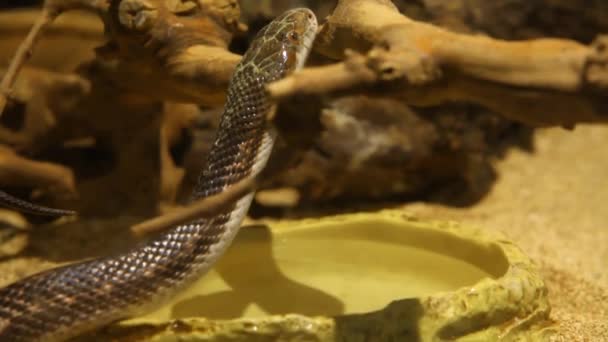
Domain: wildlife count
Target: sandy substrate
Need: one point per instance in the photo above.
(554, 205)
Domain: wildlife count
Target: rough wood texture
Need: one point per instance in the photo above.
(539, 82)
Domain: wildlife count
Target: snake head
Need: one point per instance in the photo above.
(283, 45)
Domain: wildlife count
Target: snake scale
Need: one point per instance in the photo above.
(18, 204)
(64, 302)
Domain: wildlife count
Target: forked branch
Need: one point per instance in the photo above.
(539, 82)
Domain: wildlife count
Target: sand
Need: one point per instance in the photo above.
(554, 204)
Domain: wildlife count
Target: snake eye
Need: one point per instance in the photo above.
(293, 36)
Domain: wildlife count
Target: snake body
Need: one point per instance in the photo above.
(63, 302)
(31, 208)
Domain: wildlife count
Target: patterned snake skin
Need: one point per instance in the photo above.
(12, 202)
(64, 302)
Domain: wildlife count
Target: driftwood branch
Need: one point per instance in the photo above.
(50, 11)
(192, 63)
(149, 42)
(539, 82)
(21, 56)
(176, 51)
(185, 57)
(417, 62)
(18, 171)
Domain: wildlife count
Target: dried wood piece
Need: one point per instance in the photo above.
(39, 96)
(18, 171)
(538, 82)
(177, 118)
(51, 9)
(22, 54)
(597, 68)
(180, 47)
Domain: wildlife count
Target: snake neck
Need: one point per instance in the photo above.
(242, 133)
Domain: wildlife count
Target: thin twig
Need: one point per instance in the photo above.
(203, 208)
(23, 53)
(315, 80)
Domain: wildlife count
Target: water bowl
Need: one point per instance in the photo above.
(385, 276)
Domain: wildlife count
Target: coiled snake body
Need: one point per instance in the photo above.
(66, 301)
